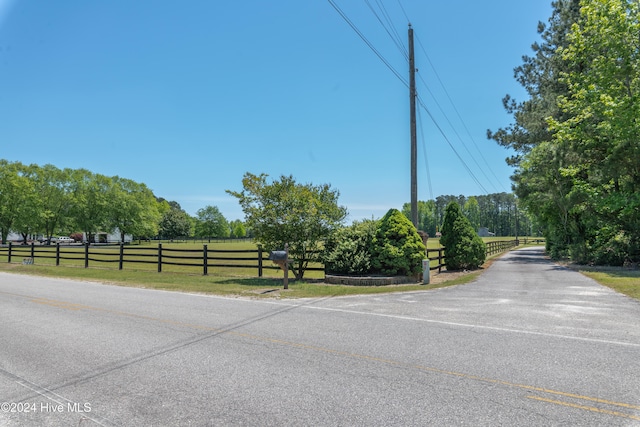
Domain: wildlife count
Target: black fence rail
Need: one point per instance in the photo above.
(87, 254)
(533, 240)
(437, 258)
(200, 259)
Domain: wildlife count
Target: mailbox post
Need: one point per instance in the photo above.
(282, 259)
(286, 266)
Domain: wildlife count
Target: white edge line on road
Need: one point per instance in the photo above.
(304, 303)
(470, 326)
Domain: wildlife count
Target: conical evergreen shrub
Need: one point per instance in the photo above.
(463, 248)
(397, 246)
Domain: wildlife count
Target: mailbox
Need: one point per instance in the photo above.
(278, 256)
(282, 259)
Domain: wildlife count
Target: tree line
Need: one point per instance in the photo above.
(47, 201)
(498, 212)
(577, 134)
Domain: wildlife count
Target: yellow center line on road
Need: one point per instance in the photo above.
(586, 408)
(74, 307)
(466, 376)
(577, 396)
(61, 304)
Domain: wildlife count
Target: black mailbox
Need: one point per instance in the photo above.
(282, 259)
(278, 256)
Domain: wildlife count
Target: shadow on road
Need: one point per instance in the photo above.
(529, 256)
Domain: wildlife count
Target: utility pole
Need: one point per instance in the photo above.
(414, 144)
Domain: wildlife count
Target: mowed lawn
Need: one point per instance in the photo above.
(230, 258)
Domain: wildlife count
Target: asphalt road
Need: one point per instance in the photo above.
(528, 344)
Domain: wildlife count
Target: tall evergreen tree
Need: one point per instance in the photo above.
(539, 76)
(463, 248)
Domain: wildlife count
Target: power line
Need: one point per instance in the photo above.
(368, 43)
(424, 152)
(452, 147)
(456, 132)
(446, 117)
(400, 46)
(394, 37)
(403, 11)
(459, 117)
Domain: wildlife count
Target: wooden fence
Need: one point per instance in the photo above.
(120, 254)
(201, 259)
(500, 246)
(492, 248)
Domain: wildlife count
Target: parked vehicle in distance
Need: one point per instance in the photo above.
(61, 239)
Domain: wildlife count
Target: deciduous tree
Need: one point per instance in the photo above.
(237, 228)
(15, 189)
(211, 223)
(175, 223)
(578, 136)
(285, 212)
(53, 187)
(601, 132)
(133, 209)
(427, 218)
(89, 202)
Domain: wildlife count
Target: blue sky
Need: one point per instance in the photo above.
(188, 96)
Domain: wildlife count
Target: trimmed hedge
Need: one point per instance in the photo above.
(348, 250)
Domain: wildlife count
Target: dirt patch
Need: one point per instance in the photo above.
(445, 276)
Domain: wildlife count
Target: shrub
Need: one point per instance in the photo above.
(612, 248)
(348, 250)
(463, 248)
(397, 247)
